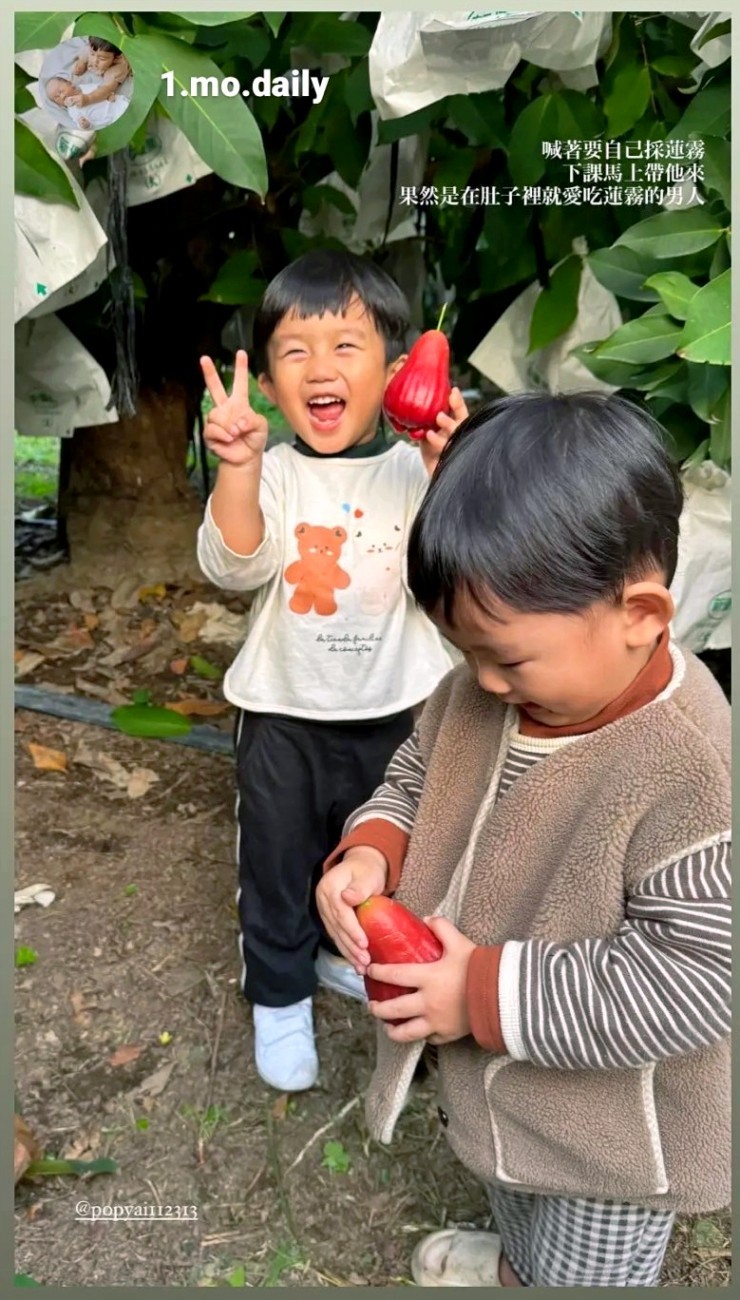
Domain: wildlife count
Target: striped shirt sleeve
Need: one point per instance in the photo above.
(658, 988)
(397, 799)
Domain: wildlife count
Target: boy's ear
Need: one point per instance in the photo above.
(266, 387)
(394, 366)
(649, 609)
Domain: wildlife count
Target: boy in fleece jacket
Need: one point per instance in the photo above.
(562, 811)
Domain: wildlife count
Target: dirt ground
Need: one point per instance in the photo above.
(138, 951)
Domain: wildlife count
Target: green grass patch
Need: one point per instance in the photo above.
(36, 467)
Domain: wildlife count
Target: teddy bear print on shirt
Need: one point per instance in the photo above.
(376, 567)
(317, 574)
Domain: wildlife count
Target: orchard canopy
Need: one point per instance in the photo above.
(562, 181)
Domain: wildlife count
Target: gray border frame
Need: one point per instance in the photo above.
(7, 780)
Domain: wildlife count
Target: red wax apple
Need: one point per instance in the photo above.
(421, 388)
(394, 936)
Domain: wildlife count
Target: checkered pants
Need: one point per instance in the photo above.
(571, 1241)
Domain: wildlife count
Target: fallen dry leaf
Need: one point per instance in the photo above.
(25, 1147)
(125, 1054)
(128, 653)
(189, 625)
(179, 666)
(200, 708)
(84, 1145)
(74, 639)
(280, 1108)
(81, 1007)
(106, 693)
(142, 779)
(148, 626)
(91, 622)
(26, 661)
(47, 760)
(82, 600)
(157, 592)
(126, 594)
(155, 1083)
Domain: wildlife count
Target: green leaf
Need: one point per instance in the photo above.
(203, 668)
(706, 334)
(327, 33)
(236, 283)
(146, 66)
(676, 66)
(579, 118)
(37, 172)
(623, 272)
(40, 31)
(222, 130)
(24, 1279)
(672, 234)
(52, 1167)
(720, 260)
(238, 1276)
(141, 697)
(707, 1235)
(717, 167)
(628, 98)
(397, 128)
(707, 113)
(274, 22)
(706, 387)
(213, 20)
(675, 291)
(698, 455)
(357, 93)
(336, 1158)
(25, 956)
(328, 194)
(23, 98)
(720, 439)
(536, 123)
(557, 306)
(639, 341)
(480, 118)
(150, 723)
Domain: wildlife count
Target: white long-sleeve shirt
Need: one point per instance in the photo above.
(334, 632)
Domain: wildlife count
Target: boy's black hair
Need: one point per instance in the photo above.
(97, 43)
(547, 504)
(325, 280)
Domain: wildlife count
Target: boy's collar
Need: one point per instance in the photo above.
(378, 445)
(648, 684)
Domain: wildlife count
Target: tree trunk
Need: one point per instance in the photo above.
(125, 501)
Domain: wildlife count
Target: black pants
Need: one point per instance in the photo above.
(298, 781)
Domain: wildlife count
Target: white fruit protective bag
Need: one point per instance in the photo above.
(702, 585)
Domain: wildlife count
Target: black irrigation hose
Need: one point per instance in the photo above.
(75, 709)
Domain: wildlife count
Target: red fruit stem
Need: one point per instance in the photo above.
(441, 316)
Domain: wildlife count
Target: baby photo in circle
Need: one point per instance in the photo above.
(86, 83)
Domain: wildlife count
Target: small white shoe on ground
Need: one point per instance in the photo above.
(285, 1047)
(336, 974)
(453, 1257)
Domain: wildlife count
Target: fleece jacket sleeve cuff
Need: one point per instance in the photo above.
(482, 998)
(376, 833)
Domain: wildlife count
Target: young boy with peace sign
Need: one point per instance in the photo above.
(337, 652)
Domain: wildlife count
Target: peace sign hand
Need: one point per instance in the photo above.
(234, 432)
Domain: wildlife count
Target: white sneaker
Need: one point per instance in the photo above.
(453, 1257)
(284, 1046)
(336, 974)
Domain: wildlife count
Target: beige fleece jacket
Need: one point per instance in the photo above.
(554, 860)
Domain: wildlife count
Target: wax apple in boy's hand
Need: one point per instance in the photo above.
(394, 934)
(421, 388)
(419, 401)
